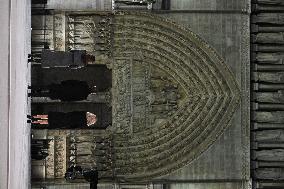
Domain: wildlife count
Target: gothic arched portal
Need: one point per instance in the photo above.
(157, 131)
(172, 94)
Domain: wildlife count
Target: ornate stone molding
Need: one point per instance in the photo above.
(56, 160)
(245, 92)
(212, 95)
(59, 32)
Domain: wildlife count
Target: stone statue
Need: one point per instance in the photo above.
(277, 38)
(267, 126)
(270, 2)
(268, 58)
(268, 87)
(269, 135)
(271, 117)
(270, 173)
(269, 155)
(271, 97)
(269, 18)
(271, 77)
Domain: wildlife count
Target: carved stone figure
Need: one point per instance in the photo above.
(269, 58)
(270, 77)
(270, 173)
(266, 8)
(264, 28)
(82, 138)
(268, 48)
(271, 117)
(268, 126)
(269, 18)
(277, 38)
(268, 86)
(270, 2)
(87, 159)
(269, 155)
(269, 135)
(269, 67)
(271, 97)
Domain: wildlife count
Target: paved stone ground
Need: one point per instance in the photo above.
(14, 132)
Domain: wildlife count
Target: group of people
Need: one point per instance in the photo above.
(68, 90)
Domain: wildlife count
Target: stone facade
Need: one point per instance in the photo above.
(172, 94)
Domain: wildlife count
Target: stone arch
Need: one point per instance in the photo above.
(211, 95)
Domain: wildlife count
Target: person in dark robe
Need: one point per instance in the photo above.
(68, 90)
(90, 175)
(62, 120)
(71, 59)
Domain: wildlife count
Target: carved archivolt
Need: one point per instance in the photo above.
(208, 88)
